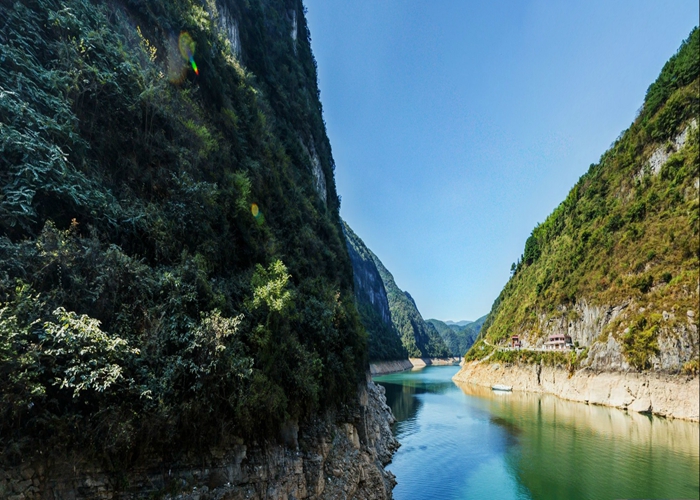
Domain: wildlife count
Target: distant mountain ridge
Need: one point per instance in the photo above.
(457, 323)
(458, 338)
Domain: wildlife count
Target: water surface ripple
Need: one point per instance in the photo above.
(465, 442)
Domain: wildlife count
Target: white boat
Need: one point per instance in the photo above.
(499, 387)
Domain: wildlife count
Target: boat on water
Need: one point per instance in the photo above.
(502, 388)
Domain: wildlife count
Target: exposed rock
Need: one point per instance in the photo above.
(383, 367)
(663, 394)
(316, 169)
(229, 26)
(339, 457)
(589, 326)
(662, 153)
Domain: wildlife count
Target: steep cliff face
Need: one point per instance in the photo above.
(372, 302)
(340, 456)
(420, 339)
(173, 274)
(615, 266)
(673, 396)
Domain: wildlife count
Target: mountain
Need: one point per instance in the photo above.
(383, 340)
(615, 266)
(458, 338)
(173, 273)
(420, 339)
(470, 333)
(442, 327)
(458, 323)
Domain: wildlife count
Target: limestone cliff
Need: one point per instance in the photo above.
(615, 266)
(372, 302)
(175, 290)
(335, 457)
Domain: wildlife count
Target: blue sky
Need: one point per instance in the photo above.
(457, 126)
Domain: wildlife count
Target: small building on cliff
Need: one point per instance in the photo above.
(558, 342)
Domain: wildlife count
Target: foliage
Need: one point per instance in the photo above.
(88, 357)
(623, 232)
(420, 339)
(640, 341)
(383, 340)
(570, 360)
(145, 308)
(458, 339)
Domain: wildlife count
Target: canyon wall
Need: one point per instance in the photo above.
(662, 394)
(339, 456)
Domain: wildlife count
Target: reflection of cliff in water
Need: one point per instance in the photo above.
(574, 450)
(402, 401)
(402, 397)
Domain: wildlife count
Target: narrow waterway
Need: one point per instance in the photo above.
(465, 442)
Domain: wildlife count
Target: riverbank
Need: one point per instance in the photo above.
(333, 456)
(674, 396)
(385, 367)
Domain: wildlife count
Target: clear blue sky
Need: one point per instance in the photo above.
(457, 126)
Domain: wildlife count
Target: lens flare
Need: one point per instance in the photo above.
(186, 46)
(255, 210)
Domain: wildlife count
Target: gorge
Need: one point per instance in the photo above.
(184, 314)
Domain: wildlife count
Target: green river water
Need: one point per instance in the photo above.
(466, 442)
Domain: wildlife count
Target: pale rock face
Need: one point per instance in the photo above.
(585, 323)
(229, 26)
(316, 169)
(674, 396)
(606, 356)
(319, 176)
(293, 32)
(661, 154)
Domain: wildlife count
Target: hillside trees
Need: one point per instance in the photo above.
(627, 233)
(145, 306)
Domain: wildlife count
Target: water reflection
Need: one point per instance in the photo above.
(403, 388)
(470, 442)
(573, 450)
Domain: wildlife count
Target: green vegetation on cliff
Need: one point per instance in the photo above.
(458, 338)
(627, 233)
(383, 340)
(420, 339)
(173, 273)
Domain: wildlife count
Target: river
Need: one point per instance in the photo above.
(465, 442)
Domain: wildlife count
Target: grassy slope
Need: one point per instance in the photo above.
(143, 308)
(619, 235)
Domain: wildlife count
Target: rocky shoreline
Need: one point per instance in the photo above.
(673, 396)
(386, 367)
(336, 457)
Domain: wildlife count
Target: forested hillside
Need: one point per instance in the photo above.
(458, 338)
(172, 268)
(420, 339)
(616, 264)
(383, 340)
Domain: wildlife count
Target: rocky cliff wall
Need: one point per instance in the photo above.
(339, 457)
(369, 287)
(602, 328)
(666, 395)
(384, 367)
